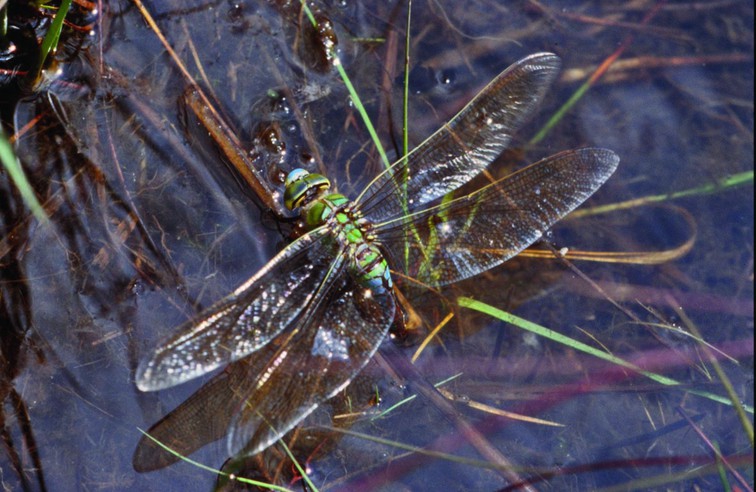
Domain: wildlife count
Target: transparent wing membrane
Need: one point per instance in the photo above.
(470, 234)
(328, 349)
(244, 321)
(464, 146)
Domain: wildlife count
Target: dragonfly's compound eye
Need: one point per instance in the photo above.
(302, 186)
(295, 175)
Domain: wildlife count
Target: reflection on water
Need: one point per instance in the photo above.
(147, 228)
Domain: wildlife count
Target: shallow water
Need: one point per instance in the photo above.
(149, 226)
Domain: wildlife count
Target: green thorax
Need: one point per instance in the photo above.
(318, 207)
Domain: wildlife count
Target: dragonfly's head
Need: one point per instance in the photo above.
(302, 187)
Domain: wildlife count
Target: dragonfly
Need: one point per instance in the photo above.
(310, 320)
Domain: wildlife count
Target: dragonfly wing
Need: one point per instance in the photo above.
(464, 146)
(203, 418)
(472, 233)
(331, 344)
(245, 320)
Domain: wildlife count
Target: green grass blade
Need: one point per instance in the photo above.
(722, 184)
(405, 95)
(722, 471)
(16, 173)
(53, 34)
(3, 20)
(213, 470)
(412, 397)
(524, 324)
(352, 93)
(557, 117)
(721, 374)
(299, 468)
